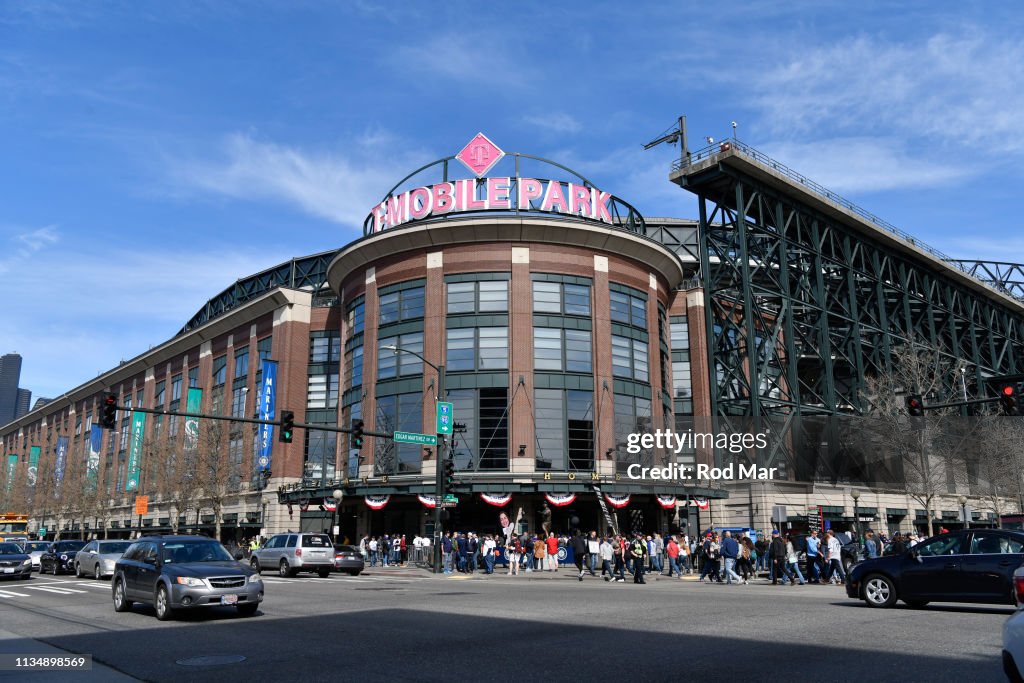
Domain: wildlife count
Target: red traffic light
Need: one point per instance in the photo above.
(1008, 390)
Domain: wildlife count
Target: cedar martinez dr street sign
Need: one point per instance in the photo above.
(412, 437)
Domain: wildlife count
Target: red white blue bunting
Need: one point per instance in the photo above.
(617, 501)
(428, 501)
(496, 501)
(377, 502)
(560, 499)
(667, 502)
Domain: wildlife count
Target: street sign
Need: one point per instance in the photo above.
(448, 504)
(413, 437)
(445, 418)
(142, 505)
(451, 498)
(42, 531)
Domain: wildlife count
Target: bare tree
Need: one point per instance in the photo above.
(213, 471)
(923, 449)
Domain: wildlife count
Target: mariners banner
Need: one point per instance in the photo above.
(62, 458)
(92, 467)
(33, 465)
(135, 451)
(267, 393)
(193, 405)
(12, 464)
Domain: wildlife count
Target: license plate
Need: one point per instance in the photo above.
(8, 571)
(228, 599)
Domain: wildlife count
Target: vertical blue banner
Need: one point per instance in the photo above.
(92, 468)
(62, 455)
(268, 392)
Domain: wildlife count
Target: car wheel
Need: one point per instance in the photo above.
(78, 570)
(255, 564)
(121, 603)
(162, 604)
(323, 573)
(284, 570)
(916, 604)
(96, 573)
(879, 591)
(248, 609)
(354, 572)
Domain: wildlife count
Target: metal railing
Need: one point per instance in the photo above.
(735, 145)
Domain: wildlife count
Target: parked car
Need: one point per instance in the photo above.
(14, 562)
(60, 557)
(1013, 633)
(970, 565)
(291, 553)
(97, 558)
(347, 558)
(183, 572)
(35, 549)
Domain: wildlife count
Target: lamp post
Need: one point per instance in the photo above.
(963, 510)
(439, 473)
(855, 494)
(337, 495)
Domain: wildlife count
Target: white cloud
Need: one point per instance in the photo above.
(857, 164)
(556, 122)
(24, 243)
(338, 186)
(487, 63)
(965, 89)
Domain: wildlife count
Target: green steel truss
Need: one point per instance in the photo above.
(802, 306)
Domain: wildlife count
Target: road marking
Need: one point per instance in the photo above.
(12, 594)
(61, 591)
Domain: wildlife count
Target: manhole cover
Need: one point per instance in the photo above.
(211, 660)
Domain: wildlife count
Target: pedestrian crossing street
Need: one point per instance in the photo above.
(39, 586)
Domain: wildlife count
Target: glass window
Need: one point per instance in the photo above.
(241, 363)
(403, 412)
(354, 366)
(681, 385)
(238, 402)
(988, 543)
(622, 365)
(547, 297)
(220, 370)
(628, 309)
(461, 297)
(176, 388)
(483, 443)
(577, 351)
(158, 400)
(193, 377)
(493, 296)
(460, 354)
(679, 333)
(946, 544)
(325, 349)
(547, 348)
(391, 363)
(356, 317)
(322, 391)
(564, 429)
(405, 304)
(319, 454)
(640, 363)
(481, 348)
(577, 299)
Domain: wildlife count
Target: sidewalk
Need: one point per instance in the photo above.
(14, 644)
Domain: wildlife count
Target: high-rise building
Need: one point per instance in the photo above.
(24, 402)
(10, 373)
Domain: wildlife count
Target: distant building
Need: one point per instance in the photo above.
(24, 401)
(40, 402)
(10, 373)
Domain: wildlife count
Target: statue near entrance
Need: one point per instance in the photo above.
(546, 517)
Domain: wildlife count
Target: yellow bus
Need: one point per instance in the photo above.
(13, 525)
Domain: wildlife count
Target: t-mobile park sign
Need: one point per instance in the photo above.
(501, 193)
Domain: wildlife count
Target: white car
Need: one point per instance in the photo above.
(1013, 634)
(97, 558)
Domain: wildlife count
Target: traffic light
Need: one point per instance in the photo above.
(915, 405)
(449, 474)
(108, 411)
(356, 440)
(1008, 399)
(287, 426)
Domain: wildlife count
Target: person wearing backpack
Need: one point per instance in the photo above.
(778, 555)
(580, 552)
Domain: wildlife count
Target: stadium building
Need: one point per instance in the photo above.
(560, 325)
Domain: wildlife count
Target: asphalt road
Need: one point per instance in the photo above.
(403, 625)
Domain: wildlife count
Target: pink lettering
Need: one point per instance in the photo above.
(601, 211)
(497, 193)
(379, 218)
(528, 189)
(472, 203)
(554, 197)
(420, 204)
(443, 197)
(462, 187)
(396, 209)
(579, 200)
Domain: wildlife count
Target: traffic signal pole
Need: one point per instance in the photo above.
(257, 421)
(439, 479)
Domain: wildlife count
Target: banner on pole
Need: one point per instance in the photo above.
(268, 390)
(135, 451)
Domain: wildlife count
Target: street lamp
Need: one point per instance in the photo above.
(439, 474)
(963, 510)
(337, 495)
(855, 494)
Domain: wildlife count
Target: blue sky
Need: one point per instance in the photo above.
(153, 153)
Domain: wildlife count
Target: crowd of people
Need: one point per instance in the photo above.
(714, 556)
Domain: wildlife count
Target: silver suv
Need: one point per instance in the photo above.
(294, 552)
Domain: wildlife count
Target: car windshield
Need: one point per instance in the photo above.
(114, 547)
(38, 545)
(69, 546)
(10, 549)
(180, 552)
